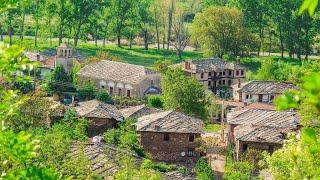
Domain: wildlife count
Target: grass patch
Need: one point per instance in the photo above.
(212, 127)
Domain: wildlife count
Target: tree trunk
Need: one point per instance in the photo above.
(119, 37)
(10, 31)
(270, 41)
(146, 39)
(22, 26)
(157, 28)
(104, 41)
(170, 13)
(36, 35)
(96, 37)
(1, 34)
(281, 41)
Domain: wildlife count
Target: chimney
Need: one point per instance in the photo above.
(238, 60)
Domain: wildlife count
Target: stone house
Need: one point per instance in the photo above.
(170, 136)
(215, 72)
(138, 111)
(260, 129)
(48, 62)
(122, 79)
(261, 91)
(101, 116)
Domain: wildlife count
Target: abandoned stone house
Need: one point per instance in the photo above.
(214, 73)
(101, 116)
(122, 79)
(64, 57)
(261, 91)
(170, 136)
(136, 112)
(260, 129)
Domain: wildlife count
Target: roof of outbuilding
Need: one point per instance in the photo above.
(212, 64)
(170, 121)
(267, 87)
(138, 111)
(97, 109)
(115, 71)
(262, 134)
(260, 117)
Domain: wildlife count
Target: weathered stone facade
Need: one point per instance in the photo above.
(178, 148)
(121, 79)
(215, 73)
(98, 126)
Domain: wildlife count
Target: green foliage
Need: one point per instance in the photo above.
(24, 85)
(155, 101)
(59, 81)
(162, 167)
(203, 170)
(162, 65)
(238, 170)
(125, 137)
(309, 5)
(103, 96)
(86, 91)
(212, 127)
(184, 94)
(127, 101)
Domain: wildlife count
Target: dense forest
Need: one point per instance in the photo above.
(33, 148)
(236, 27)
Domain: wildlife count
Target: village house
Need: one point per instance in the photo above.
(261, 91)
(136, 112)
(170, 136)
(101, 116)
(64, 57)
(260, 129)
(214, 73)
(122, 79)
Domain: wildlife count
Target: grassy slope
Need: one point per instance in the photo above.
(139, 56)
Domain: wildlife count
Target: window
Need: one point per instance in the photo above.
(166, 137)
(247, 96)
(190, 152)
(271, 98)
(224, 73)
(237, 72)
(230, 73)
(191, 138)
(244, 147)
(242, 72)
(219, 82)
(223, 81)
(209, 83)
(229, 82)
(111, 90)
(271, 149)
(128, 93)
(201, 75)
(209, 74)
(102, 87)
(119, 92)
(220, 73)
(151, 82)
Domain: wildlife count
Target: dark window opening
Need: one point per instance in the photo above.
(191, 138)
(119, 92)
(201, 75)
(229, 82)
(209, 74)
(111, 90)
(152, 83)
(128, 93)
(242, 72)
(271, 149)
(247, 96)
(219, 82)
(209, 83)
(220, 73)
(229, 73)
(237, 72)
(190, 152)
(271, 98)
(223, 81)
(224, 73)
(102, 87)
(166, 137)
(244, 147)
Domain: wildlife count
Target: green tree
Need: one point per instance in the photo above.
(220, 30)
(183, 93)
(239, 170)
(204, 170)
(86, 91)
(155, 101)
(103, 96)
(59, 81)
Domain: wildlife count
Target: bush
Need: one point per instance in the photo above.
(155, 101)
(86, 91)
(203, 170)
(238, 170)
(103, 96)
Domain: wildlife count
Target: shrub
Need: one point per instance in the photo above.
(203, 170)
(103, 96)
(155, 101)
(238, 170)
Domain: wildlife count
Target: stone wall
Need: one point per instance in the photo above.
(99, 126)
(263, 146)
(169, 151)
